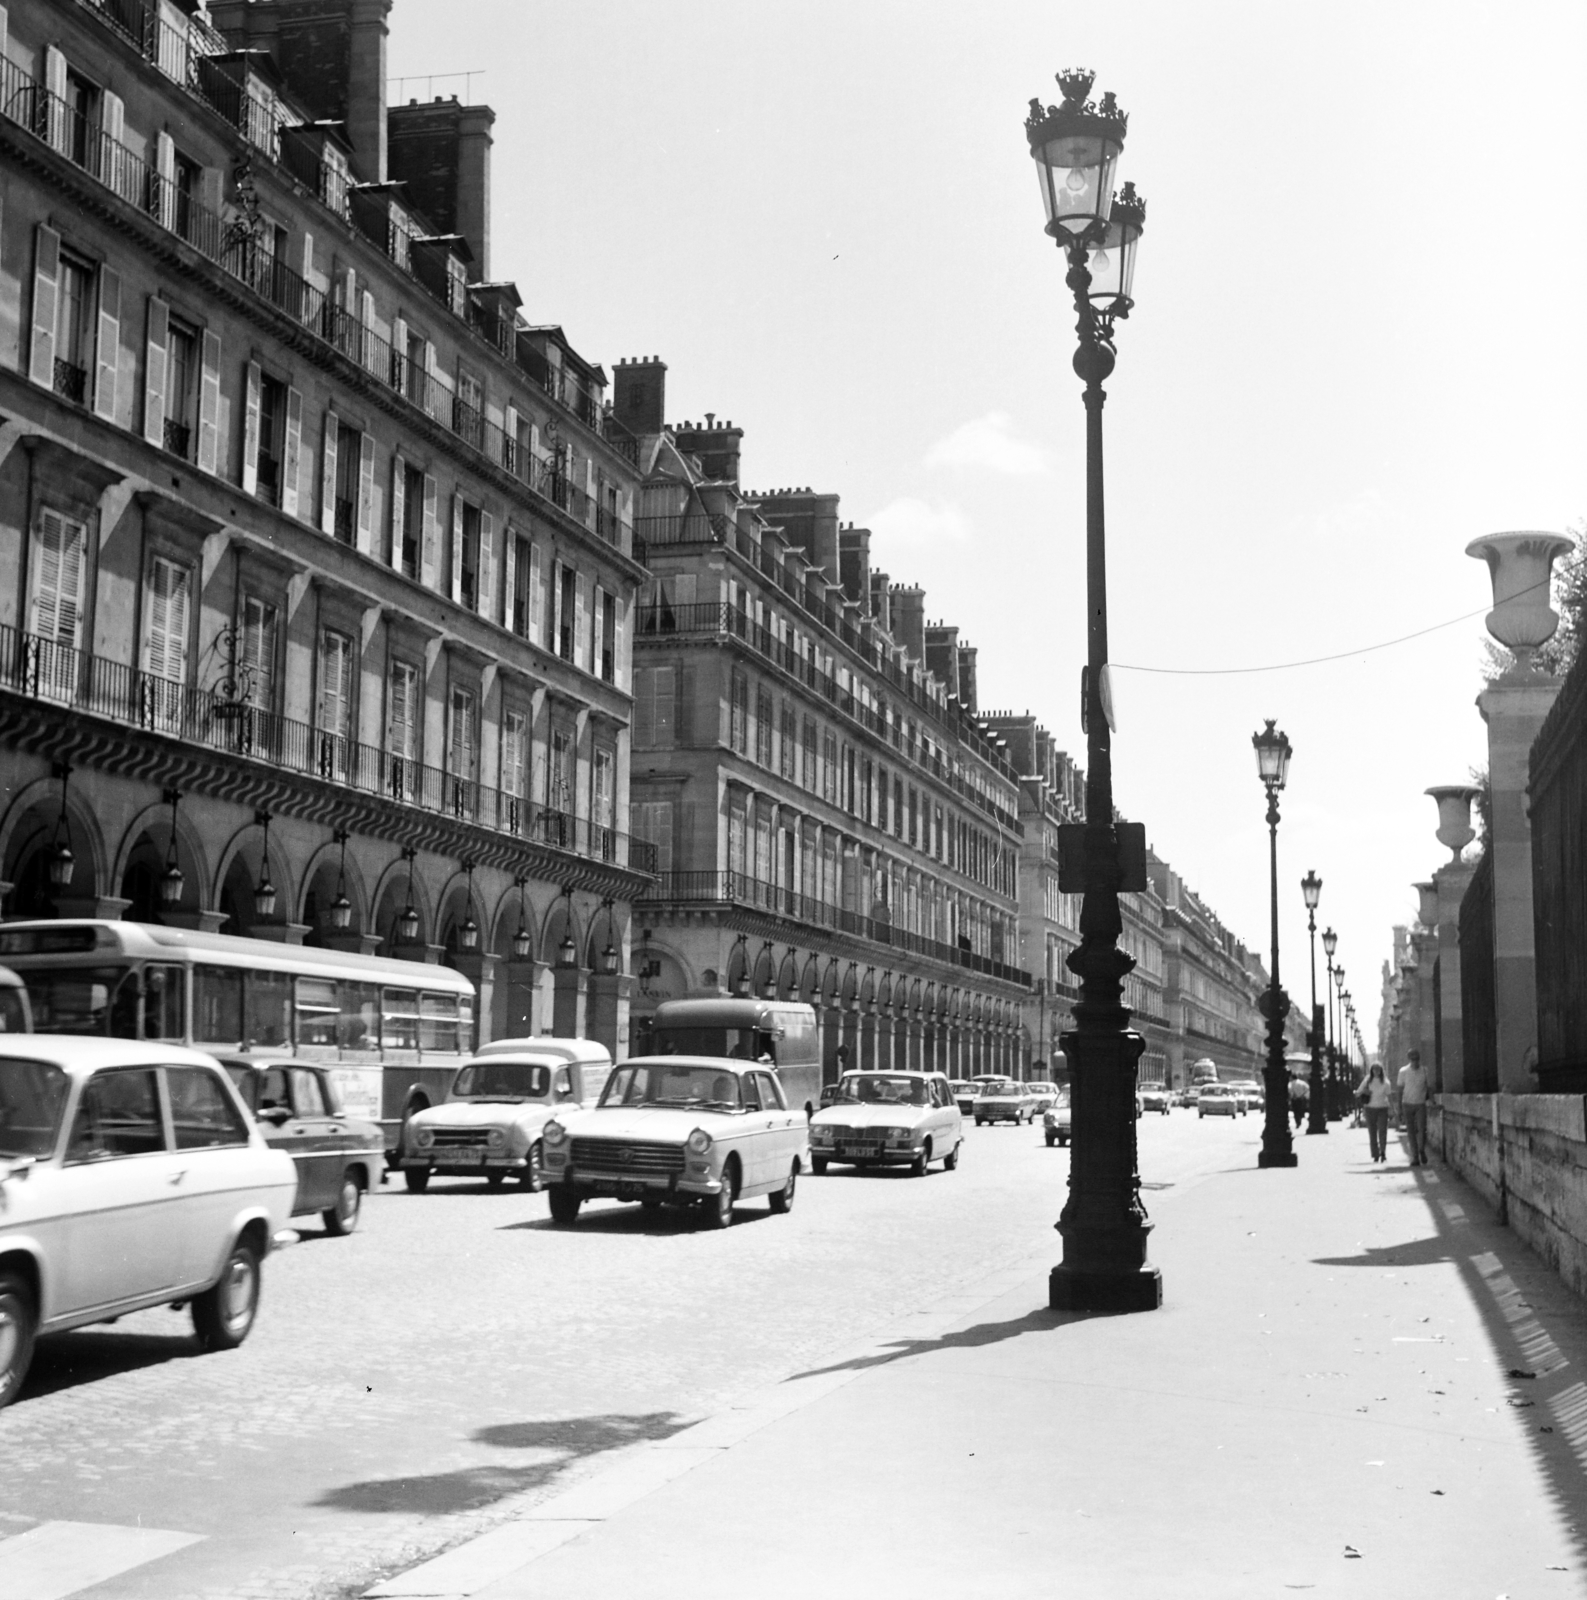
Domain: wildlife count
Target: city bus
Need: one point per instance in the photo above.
(392, 1033)
(782, 1031)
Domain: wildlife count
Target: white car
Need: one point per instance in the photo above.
(889, 1118)
(1057, 1120)
(680, 1131)
(1044, 1091)
(131, 1175)
(492, 1124)
(1004, 1100)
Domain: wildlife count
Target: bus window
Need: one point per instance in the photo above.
(399, 1019)
(358, 1016)
(72, 999)
(438, 1016)
(217, 1005)
(269, 1008)
(163, 1011)
(317, 1011)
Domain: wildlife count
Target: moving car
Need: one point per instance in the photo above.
(680, 1131)
(1003, 1100)
(1056, 1120)
(131, 1175)
(963, 1094)
(1219, 1100)
(889, 1119)
(1043, 1092)
(492, 1124)
(338, 1158)
(1153, 1097)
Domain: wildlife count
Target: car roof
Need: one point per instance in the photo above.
(889, 1072)
(578, 1050)
(80, 1054)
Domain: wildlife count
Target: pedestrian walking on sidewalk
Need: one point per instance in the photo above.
(1373, 1093)
(1412, 1085)
(1299, 1099)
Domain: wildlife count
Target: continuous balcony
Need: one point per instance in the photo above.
(60, 685)
(694, 889)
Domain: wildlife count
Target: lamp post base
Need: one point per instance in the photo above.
(1069, 1289)
(1277, 1158)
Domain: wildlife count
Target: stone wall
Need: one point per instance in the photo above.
(1527, 1155)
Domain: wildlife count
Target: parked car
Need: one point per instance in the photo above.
(492, 1123)
(1219, 1100)
(338, 1158)
(1056, 1120)
(1153, 1097)
(131, 1175)
(1043, 1092)
(680, 1131)
(889, 1119)
(1004, 1100)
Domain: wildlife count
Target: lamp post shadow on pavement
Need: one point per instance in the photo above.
(1076, 146)
(1272, 760)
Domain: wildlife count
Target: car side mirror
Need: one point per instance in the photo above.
(17, 1167)
(275, 1115)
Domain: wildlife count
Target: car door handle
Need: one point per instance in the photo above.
(176, 1177)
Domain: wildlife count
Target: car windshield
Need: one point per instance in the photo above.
(503, 1080)
(998, 1088)
(32, 1095)
(882, 1088)
(1063, 1097)
(659, 1084)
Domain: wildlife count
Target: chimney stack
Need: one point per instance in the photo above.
(639, 394)
(854, 563)
(909, 619)
(441, 151)
(717, 446)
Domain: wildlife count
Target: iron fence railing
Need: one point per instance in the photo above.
(738, 889)
(41, 669)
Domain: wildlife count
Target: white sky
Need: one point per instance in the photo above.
(1360, 308)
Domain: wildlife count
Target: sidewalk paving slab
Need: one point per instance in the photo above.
(1333, 1400)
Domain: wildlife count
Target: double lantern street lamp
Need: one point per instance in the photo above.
(1272, 762)
(1076, 148)
(1316, 1110)
(1330, 943)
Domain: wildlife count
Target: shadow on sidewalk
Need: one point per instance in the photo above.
(1533, 1321)
(560, 1441)
(983, 1333)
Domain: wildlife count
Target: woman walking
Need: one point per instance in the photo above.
(1373, 1093)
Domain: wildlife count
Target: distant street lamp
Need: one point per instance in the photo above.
(1316, 1110)
(1076, 147)
(264, 892)
(171, 880)
(1330, 943)
(1272, 763)
(523, 941)
(408, 920)
(62, 863)
(341, 906)
(468, 933)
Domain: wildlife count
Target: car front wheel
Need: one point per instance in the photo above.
(719, 1207)
(564, 1206)
(951, 1160)
(530, 1176)
(19, 1322)
(917, 1167)
(782, 1199)
(223, 1313)
(342, 1217)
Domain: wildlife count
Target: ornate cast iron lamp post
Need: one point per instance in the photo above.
(1272, 761)
(1076, 148)
(1330, 943)
(1316, 1106)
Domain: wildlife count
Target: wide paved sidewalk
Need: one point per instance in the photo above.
(1358, 1385)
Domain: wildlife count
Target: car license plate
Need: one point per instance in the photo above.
(464, 1158)
(621, 1188)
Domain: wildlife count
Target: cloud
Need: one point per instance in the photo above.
(910, 521)
(989, 443)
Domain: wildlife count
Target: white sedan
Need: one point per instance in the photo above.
(889, 1118)
(680, 1131)
(131, 1175)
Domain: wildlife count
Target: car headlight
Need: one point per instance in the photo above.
(699, 1141)
(554, 1132)
(424, 1136)
(898, 1135)
(820, 1134)
(495, 1138)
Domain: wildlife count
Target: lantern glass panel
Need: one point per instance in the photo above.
(1112, 265)
(1075, 172)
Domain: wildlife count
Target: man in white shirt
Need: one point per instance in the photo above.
(1412, 1085)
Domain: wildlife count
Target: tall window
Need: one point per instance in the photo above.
(418, 370)
(181, 387)
(260, 625)
(738, 718)
(349, 456)
(789, 753)
(188, 181)
(829, 766)
(83, 106)
(166, 608)
(603, 655)
(74, 336)
(655, 707)
(652, 821)
(272, 437)
(463, 748)
(559, 786)
(521, 599)
(515, 767)
(334, 706)
(603, 803)
(564, 591)
(809, 774)
(58, 562)
(468, 556)
(412, 532)
(402, 728)
(763, 726)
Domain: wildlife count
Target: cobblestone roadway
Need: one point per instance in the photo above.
(458, 1359)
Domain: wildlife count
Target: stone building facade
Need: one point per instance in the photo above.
(316, 557)
(832, 823)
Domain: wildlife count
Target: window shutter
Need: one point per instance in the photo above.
(487, 567)
(581, 637)
(431, 388)
(55, 87)
(165, 620)
(429, 561)
(328, 474)
(112, 124)
(292, 454)
(250, 429)
(57, 579)
(209, 409)
(537, 597)
(165, 167)
(366, 320)
(108, 344)
(509, 577)
(597, 620)
(619, 661)
(555, 645)
(366, 494)
(457, 548)
(46, 301)
(154, 357)
(399, 507)
(399, 352)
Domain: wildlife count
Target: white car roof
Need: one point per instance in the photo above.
(577, 1050)
(80, 1054)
